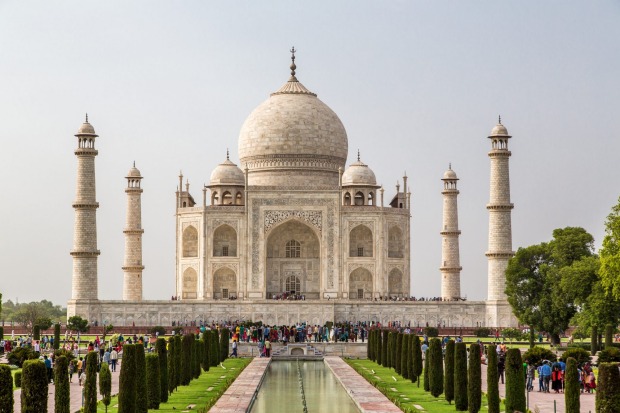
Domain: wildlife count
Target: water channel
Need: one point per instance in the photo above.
(288, 383)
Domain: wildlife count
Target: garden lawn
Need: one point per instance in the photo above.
(405, 394)
(201, 392)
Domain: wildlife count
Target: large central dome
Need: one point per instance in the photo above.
(293, 139)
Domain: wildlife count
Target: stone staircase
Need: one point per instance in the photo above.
(297, 351)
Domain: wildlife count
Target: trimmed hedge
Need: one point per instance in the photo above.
(427, 381)
(6, 389)
(378, 351)
(384, 349)
(460, 377)
(416, 363)
(34, 387)
(178, 340)
(571, 386)
(449, 376)
(214, 355)
(141, 396)
(435, 372)
(405, 355)
(196, 358)
(399, 353)
(127, 381)
(609, 355)
(515, 381)
(162, 354)
(105, 385)
(594, 341)
(153, 381)
(608, 391)
(492, 380)
(18, 379)
(56, 336)
(474, 380)
(90, 384)
(224, 343)
(390, 353)
(186, 359)
(172, 384)
(537, 354)
(204, 342)
(431, 332)
(582, 356)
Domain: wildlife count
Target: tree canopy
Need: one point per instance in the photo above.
(610, 253)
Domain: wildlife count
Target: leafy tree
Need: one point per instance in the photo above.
(435, 372)
(141, 392)
(449, 376)
(474, 379)
(162, 353)
(610, 253)
(77, 323)
(515, 381)
(609, 355)
(36, 333)
(608, 391)
(153, 381)
(492, 381)
(19, 355)
(609, 335)
(30, 314)
(460, 377)
(105, 385)
(571, 387)
(6, 388)
(62, 390)
(34, 387)
(90, 385)
(186, 359)
(127, 381)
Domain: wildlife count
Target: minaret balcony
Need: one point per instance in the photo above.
(500, 206)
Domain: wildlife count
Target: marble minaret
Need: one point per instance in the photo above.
(132, 285)
(499, 206)
(85, 252)
(450, 257)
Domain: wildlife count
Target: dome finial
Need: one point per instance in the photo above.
(134, 164)
(227, 155)
(500, 119)
(293, 66)
(86, 118)
(450, 166)
(358, 155)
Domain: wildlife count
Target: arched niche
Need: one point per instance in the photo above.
(360, 284)
(395, 283)
(224, 241)
(190, 242)
(395, 242)
(224, 283)
(360, 242)
(190, 284)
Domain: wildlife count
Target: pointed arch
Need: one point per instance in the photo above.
(224, 283)
(371, 198)
(396, 245)
(360, 284)
(347, 199)
(359, 198)
(360, 242)
(190, 284)
(215, 198)
(227, 198)
(190, 242)
(395, 283)
(238, 199)
(224, 241)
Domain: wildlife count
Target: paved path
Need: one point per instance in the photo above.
(544, 401)
(76, 393)
(237, 398)
(364, 394)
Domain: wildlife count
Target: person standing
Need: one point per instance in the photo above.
(114, 359)
(267, 348)
(234, 349)
(501, 367)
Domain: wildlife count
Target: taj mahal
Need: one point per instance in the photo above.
(291, 233)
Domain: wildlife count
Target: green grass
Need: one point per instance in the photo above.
(406, 393)
(197, 392)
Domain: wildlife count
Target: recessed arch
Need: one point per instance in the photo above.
(360, 284)
(224, 241)
(371, 198)
(238, 199)
(395, 283)
(190, 242)
(190, 284)
(360, 242)
(215, 198)
(224, 283)
(359, 198)
(395, 242)
(227, 198)
(347, 198)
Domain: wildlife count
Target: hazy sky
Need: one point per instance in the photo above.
(416, 84)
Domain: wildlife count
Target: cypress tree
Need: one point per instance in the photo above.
(127, 381)
(398, 353)
(384, 349)
(474, 380)
(105, 385)
(186, 359)
(492, 380)
(515, 381)
(608, 391)
(204, 342)
(368, 348)
(460, 377)
(417, 358)
(214, 354)
(56, 337)
(90, 384)
(571, 386)
(390, 355)
(435, 372)
(162, 353)
(378, 347)
(373, 345)
(404, 358)
(172, 375)
(410, 349)
(196, 357)
(609, 335)
(141, 396)
(177, 360)
(62, 391)
(37, 333)
(427, 382)
(449, 376)
(34, 387)
(224, 343)
(6, 389)
(153, 381)
(593, 341)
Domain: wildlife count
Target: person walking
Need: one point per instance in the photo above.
(501, 367)
(234, 349)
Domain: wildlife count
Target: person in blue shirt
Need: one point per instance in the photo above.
(546, 374)
(48, 366)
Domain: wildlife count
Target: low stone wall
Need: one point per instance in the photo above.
(355, 350)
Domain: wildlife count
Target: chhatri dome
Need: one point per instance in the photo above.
(293, 139)
(133, 172)
(499, 129)
(449, 174)
(86, 128)
(227, 173)
(358, 174)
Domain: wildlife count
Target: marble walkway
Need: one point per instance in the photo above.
(237, 398)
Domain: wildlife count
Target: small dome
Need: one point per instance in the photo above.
(359, 174)
(449, 174)
(499, 130)
(86, 129)
(227, 173)
(134, 173)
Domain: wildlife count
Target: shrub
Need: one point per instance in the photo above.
(62, 389)
(158, 331)
(172, 375)
(90, 385)
(406, 354)
(416, 363)
(19, 355)
(512, 334)
(153, 381)
(65, 353)
(141, 397)
(384, 349)
(186, 360)
(6, 389)
(571, 386)
(399, 352)
(460, 377)
(427, 381)
(435, 372)
(608, 391)
(609, 355)
(449, 376)
(482, 332)
(127, 381)
(492, 381)
(431, 332)
(368, 347)
(34, 387)
(18, 379)
(474, 380)
(537, 354)
(105, 385)
(162, 353)
(582, 356)
(56, 336)
(515, 381)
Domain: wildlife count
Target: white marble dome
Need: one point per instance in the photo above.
(227, 173)
(86, 129)
(293, 138)
(449, 174)
(134, 173)
(499, 130)
(359, 174)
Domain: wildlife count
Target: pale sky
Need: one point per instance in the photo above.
(416, 84)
